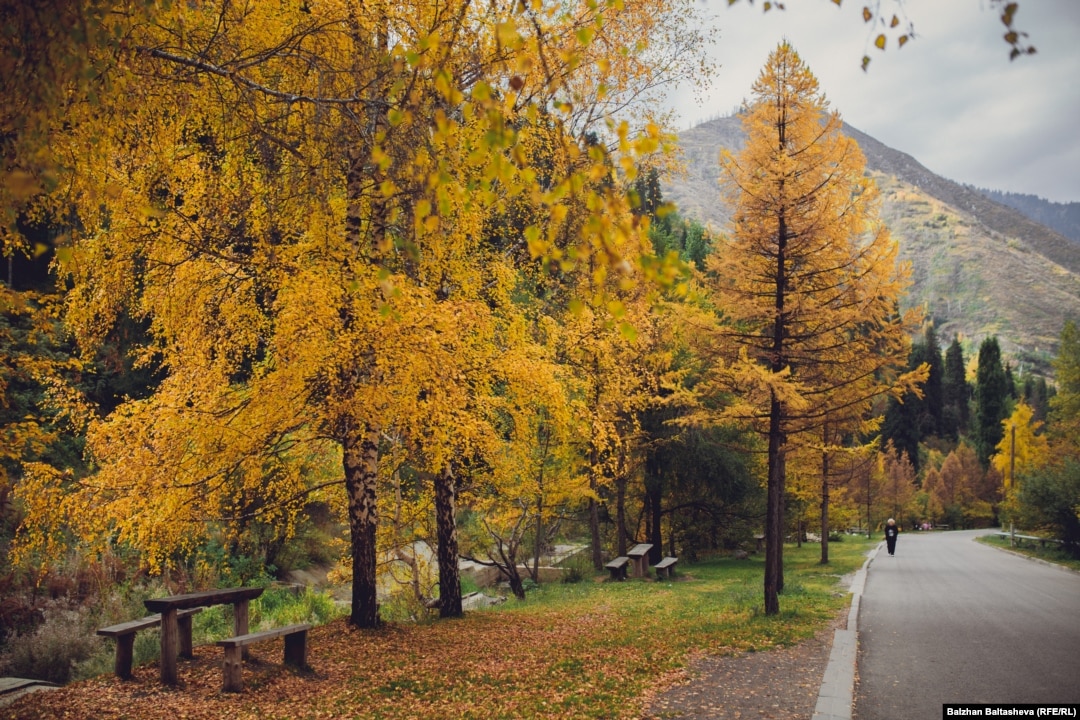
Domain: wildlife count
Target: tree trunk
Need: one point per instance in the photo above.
(446, 532)
(594, 511)
(538, 541)
(774, 532)
(516, 585)
(656, 491)
(620, 516)
(783, 515)
(361, 460)
(825, 504)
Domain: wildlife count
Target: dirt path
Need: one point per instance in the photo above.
(778, 684)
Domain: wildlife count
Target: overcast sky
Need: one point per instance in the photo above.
(951, 98)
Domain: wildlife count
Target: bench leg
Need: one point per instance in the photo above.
(168, 646)
(296, 650)
(231, 670)
(240, 622)
(125, 646)
(183, 625)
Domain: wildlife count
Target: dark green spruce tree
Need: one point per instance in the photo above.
(991, 399)
(955, 393)
(910, 420)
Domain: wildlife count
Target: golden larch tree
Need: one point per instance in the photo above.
(808, 278)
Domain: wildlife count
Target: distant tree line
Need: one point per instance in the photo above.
(1062, 217)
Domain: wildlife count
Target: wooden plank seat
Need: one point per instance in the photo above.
(666, 567)
(124, 633)
(617, 567)
(232, 666)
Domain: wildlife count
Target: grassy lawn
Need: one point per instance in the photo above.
(588, 649)
(1052, 554)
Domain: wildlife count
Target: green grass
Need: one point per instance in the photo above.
(716, 605)
(1050, 554)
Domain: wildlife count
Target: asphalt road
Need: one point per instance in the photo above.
(948, 620)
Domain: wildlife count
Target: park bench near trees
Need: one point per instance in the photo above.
(666, 567)
(232, 665)
(617, 567)
(124, 633)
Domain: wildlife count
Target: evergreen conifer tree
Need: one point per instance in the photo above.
(956, 393)
(991, 399)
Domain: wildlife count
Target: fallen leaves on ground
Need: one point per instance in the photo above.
(487, 665)
(613, 651)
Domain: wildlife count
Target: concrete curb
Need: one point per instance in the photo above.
(837, 694)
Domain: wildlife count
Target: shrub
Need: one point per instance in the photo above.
(52, 651)
(282, 606)
(1048, 502)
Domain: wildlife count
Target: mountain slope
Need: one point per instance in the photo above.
(978, 268)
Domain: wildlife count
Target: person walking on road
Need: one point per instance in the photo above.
(891, 531)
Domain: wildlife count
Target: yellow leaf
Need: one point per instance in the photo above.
(880, 42)
(507, 33)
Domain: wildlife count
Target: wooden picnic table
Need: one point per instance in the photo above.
(168, 607)
(639, 555)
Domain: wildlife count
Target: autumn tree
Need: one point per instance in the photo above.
(1065, 406)
(899, 482)
(293, 199)
(1023, 446)
(808, 280)
(1047, 495)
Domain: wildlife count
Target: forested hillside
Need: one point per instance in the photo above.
(978, 268)
(1062, 217)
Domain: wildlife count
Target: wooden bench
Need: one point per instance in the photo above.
(232, 666)
(124, 633)
(617, 567)
(666, 567)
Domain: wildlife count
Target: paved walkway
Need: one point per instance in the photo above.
(950, 620)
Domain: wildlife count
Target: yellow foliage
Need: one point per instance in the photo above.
(1023, 448)
(303, 203)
